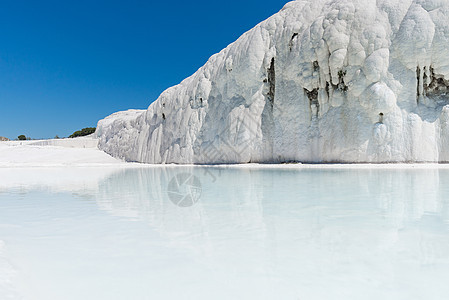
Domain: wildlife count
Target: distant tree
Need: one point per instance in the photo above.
(57, 137)
(83, 132)
(22, 137)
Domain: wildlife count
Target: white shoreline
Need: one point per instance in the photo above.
(82, 153)
(298, 166)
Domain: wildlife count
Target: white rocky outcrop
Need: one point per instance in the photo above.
(320, 81)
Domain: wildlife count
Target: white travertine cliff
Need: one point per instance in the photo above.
(320, 81)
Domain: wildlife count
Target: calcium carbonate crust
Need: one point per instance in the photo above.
(320, 81)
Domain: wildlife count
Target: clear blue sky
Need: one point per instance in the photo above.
(66, 64)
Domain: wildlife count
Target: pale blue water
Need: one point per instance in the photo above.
(91, 233)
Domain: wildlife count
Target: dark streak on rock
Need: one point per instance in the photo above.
(271, 78)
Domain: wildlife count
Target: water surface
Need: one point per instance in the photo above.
(106, 233)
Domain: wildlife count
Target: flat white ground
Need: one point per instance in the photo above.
(62, 152)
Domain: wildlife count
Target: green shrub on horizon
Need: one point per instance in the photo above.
(83, 132)
(22, 137)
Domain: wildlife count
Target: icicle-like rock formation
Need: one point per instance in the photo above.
(320, 81)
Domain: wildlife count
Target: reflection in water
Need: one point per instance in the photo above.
(302, 230)
(273, 233)
(401, 196)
